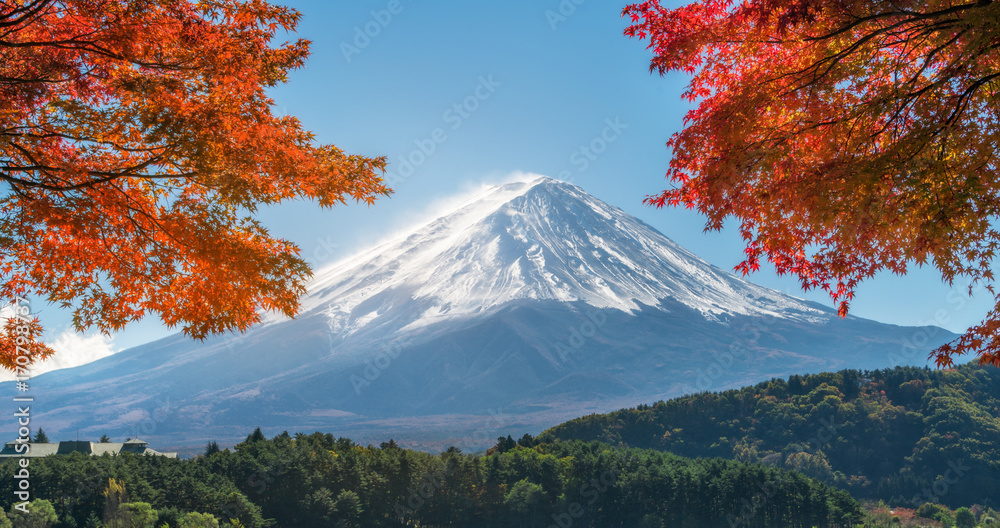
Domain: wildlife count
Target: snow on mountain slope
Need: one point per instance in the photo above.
(542, 239)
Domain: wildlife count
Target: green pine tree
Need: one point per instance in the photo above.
(964, 518)
(256, 436)
(40, 437)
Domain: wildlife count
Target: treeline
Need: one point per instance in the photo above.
(317, 480)
(907, 435)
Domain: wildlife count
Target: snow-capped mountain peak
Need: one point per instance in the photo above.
(542, 239)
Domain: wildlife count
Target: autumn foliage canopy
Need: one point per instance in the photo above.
(136, 143)
(848, 137)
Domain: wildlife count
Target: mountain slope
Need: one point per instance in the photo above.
(528, 304)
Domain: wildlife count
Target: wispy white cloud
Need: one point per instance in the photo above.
(72, 350)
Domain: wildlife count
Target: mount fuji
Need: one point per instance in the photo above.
(526, 305)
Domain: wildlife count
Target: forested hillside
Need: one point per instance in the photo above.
(905, 435)
(317, 480)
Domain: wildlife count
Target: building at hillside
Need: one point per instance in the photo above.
(134, 445)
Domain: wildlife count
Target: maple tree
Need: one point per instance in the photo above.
(136, 143)
(848, 137)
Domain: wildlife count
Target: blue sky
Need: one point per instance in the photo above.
(535, 83)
